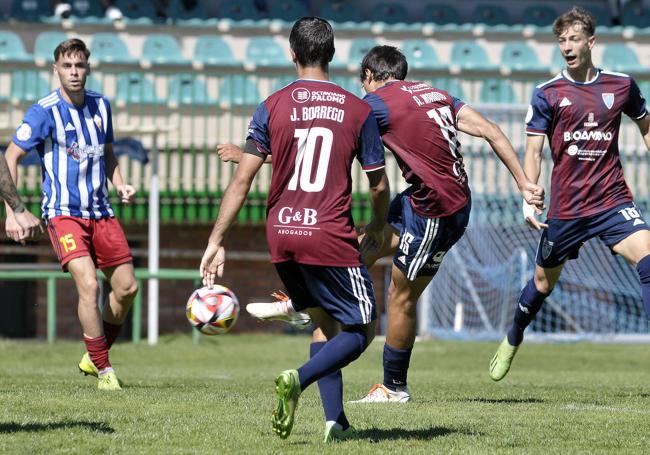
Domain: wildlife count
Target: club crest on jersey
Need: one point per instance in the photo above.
(608, 99)
(98, 122)
(547, 247)
(73, 151)
(300, 95)
(24, 132)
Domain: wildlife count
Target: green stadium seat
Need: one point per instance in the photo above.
(135, 88)
(214, 51)
(389, 13)
(420, 55)
(517, 56)
(497, 91)
(539, 15)
(239, 10)
(265, 52)
(621, 57)
(440, 14)
(286, 10)
(468, 56)
(28, 86)
(45, 44)
(488, 14)
(30, 10)
(359, 47)
(109, 48)
(341, 11)
(450, 85)
(187, 89)
(88, 12)
(238, 90)
(161, 49)
(12, 49)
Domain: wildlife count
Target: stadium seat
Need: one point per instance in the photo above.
(420, 55)
(187, 89)
(239, 10)
(12, 49)
(517, 56)
(88, 11)
(213, 50)
(265, 52)
(440, 14)
(161, 49)
(135, 88)
(620, 57)
(238, 90)
(497, 91)
(176, 11)
(491, 14)
(359, 47)
(92, 83)
(635, 14)
(30, 10)
(351, 84)
(602, 15)
(28, 86)
(138, 12)
(468, 55)
(109, 48)
(539, 15)
(389, 13)
(286, 10)
(45, 44)
(557, 63)
(450, 85)
(341, 11)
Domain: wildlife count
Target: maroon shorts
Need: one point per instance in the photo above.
(103, 240)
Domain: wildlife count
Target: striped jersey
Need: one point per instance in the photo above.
(582, 122)
(70, 142)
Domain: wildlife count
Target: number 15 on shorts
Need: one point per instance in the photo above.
(68, 243)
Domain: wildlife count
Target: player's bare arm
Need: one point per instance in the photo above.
(533, 168)
(644, 127)
(214, 258)
(231, 152)
(473, 123)
(379, 198)
(124, 191)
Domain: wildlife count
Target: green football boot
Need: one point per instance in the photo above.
(109, 381)
(500, 364)
(87, 367)
(287, 387)
(334, 432)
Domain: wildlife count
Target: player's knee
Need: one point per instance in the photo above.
(126, 291)
(88, 289)
(543, 284)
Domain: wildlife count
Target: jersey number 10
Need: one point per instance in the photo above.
(302, 173)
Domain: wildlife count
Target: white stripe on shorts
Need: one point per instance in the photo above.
(422, 253)
(361, 293)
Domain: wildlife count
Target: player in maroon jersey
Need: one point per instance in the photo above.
(580, 111)
(314, 130)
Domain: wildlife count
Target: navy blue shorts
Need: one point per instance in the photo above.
(345, 293)
(423, 242)
(563, 238)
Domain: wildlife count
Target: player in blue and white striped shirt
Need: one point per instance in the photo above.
(72, 130)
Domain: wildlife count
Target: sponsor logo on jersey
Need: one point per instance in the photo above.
(303, 217)
(415, 88)
(590, 123)
(547, 247)
(70, 127)
(76, 152)
(565, 102)
(588, 135)
(24, 132)
(328, 96)
(608, 99)
(300, 95)
(585, 155)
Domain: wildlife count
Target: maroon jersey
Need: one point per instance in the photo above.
(313, 130)
(582, 123)
(418, 124)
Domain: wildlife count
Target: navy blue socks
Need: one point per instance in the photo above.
(331, 392)
(530, 301)
(643, 267)
(396, 365)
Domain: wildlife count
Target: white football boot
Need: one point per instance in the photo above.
(381, 394)
(279, 310)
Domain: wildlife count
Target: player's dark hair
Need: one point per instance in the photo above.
(575, 15)
(384, 62)
(71, 46)
(312, 40)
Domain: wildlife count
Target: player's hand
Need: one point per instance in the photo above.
(13, 229)
(30, 226)
(530, 213)
(212, 264)
(534, 196)
(372, 238)
(229, 152)
(126, 194)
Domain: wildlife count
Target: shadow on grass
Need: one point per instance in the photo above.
(13, 427)
(376, 434)
(503, 400)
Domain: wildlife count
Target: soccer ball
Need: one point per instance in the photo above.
(212, 311)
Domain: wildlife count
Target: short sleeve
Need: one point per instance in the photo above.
(636, 104)
(457, 105)
(258, 129)
(539, 115)
(379, 109)
(34, 129)
(371, 149)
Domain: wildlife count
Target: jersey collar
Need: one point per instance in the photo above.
(566, 76)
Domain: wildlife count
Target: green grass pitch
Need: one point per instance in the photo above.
(216, 398)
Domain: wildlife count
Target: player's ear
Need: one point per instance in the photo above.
(293, 55)
(591, 41)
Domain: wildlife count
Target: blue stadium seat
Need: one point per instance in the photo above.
(187, 89)
(161, 49)
(135, 88)
(12, 49)
(45, 44)
(539, 15)
(557, 63)
(28, 86)
(283, 81)
(109, 48)
(602, 15)
(491, 14)
(239, 10)
(265, 52)
(635, 14)
(213, 50)
(94, 84)
(420, 55)
(351, 84)
(440, 14)
(138, 12)
(468, 55)
(30, 10)
(177, 12)
(88, 12)
(520, 57)
(389, 13)
(620, 57)
(497, 91)
(341, 11)
(450, 85)
(238, 90)
(359, 47)
(286, 10)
